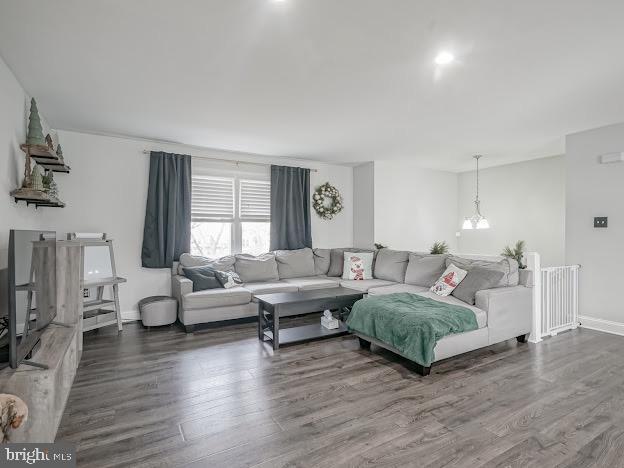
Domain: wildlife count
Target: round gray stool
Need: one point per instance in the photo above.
(158, 310)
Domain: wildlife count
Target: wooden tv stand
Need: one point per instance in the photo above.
(45, 391)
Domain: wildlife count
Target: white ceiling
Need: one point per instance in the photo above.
(335, 80)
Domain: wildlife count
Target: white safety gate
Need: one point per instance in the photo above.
(559, 299)
(555, 298)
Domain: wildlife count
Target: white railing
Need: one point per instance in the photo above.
(555, 298)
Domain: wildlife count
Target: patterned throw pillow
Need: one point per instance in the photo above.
(358, 266)
(228, 279)
(449, 280)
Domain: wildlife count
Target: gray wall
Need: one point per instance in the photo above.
(13, 118)
(364, 205)
(414, 207)
(594, 189)
(522, 201)
(102, 198)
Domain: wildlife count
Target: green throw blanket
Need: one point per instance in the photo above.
(410, 323)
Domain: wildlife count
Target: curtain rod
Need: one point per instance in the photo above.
(232, 161)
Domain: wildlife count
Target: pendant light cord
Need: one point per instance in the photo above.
(477, 202)
(477, 158)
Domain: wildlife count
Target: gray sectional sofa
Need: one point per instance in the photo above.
(503, 312)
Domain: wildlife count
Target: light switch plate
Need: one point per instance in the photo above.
(600, 222)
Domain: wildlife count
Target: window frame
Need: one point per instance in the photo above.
(236, 221)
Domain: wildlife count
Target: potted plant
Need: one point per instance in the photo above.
(516, 252)
(439, 248)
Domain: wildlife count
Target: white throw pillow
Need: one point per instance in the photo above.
(449, 280)
(358, 266)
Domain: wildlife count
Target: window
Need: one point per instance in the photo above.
(230, 215)
(255, 216)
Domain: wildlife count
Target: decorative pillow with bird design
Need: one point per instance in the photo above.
(449, 280)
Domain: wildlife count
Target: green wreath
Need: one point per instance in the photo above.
(327, 201)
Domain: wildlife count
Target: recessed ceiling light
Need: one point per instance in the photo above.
(444, 58)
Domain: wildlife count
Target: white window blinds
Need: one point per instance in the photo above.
(255, 200)
(212, 199)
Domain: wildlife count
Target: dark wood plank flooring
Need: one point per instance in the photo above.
(220, 398)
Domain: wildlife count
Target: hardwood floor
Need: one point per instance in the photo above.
(220, 398)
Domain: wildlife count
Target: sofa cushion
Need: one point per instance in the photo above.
(222, 264)
(295, 263)
(216, 298)
(480, 314)
(253, 269)
(336, 259)
(203, 277)
(365, 285)
(391, 265)
(270, 287)
(508, 266)
(321, 261)
(477, 279)
(333, 278)
(397, 288)
(424, 269)
(312, 282)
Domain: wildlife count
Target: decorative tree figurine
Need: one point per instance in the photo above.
(35, 131)
(36, 181)
(49, 185)
(53, 191)
(32, 189)
(59, 152)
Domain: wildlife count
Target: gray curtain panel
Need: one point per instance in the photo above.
(290, 208)
(167, 229)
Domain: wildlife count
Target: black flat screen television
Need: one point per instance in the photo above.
(31, 290)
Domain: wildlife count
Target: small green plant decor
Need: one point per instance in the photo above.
(516, 252)
(439, 248)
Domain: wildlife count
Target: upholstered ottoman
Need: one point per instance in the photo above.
(158, 310)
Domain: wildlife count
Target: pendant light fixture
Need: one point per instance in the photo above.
(477, 221)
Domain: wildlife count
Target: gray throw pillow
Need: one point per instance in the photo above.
(295, 263)
(508, 266)
(252, 269)
(203, 277)
(221, 264)
(321, 261)
(424, 269)
(391, 265)
(477, 279)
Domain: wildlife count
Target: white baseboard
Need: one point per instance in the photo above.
(130, 315)
(617, 328)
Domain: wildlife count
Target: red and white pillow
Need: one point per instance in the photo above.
(357, 266)
(449, 280)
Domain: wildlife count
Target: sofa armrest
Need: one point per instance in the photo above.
(180, 286)
(509, 311)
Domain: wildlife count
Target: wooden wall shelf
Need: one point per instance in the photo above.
(45, 158)
(39, 202)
